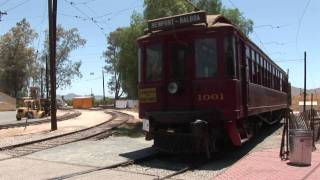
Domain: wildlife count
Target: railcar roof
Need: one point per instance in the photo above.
(212, 21)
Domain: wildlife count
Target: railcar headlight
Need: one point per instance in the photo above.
(173, 88)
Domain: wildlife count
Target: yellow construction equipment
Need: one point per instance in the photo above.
(32, 107)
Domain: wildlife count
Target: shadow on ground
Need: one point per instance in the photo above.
(219, 162)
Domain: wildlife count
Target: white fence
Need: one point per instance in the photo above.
(122, 104)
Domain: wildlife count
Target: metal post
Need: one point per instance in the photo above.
(312, 122)
(104, 97)
(52, 7)
(305, 82)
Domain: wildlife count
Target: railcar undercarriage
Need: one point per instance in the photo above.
(189, 134)
(199, 132)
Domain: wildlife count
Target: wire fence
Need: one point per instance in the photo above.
(307, 120)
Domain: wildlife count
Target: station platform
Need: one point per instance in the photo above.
(266, 165)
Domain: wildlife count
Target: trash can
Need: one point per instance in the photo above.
(300, 144)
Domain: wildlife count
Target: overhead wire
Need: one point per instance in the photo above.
(15, 19)
(260, 41)
(232, 4)
(85, 2)
(95, 19)
(276, 43)
(300, 21)
(274, 26)
(90, 18)
(16, 6)
(4, 3)
(254, 32)
(289, 60)
(40, 24)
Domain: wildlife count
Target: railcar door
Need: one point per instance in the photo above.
(178, 81)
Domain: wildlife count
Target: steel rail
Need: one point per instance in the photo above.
(121, 164)
(185, 169)
(45, 120)
(29, 147)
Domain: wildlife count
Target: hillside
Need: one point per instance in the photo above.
(297, 95)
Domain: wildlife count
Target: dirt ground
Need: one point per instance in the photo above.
(21, 134)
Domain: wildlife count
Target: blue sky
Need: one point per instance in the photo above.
(283, 29)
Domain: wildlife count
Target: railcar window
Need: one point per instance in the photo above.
(248, 61)
(206, 57)
(254, 80)
(179, 61)
(230, 56)
(258, 75)
(154, 62)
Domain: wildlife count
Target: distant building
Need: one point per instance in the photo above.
(308, 105)
(82, 102)
(7, 103)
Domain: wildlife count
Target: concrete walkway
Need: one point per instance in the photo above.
(266, 165)
(76, 158)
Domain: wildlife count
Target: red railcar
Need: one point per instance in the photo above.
(202, 80)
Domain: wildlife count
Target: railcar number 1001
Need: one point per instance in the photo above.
(210, 97)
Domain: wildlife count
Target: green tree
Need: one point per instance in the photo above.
(210, 6)
(237, 18)
(68, 40)
(129, 55)
(112, 60)
(121, 58)
(154, 9)
(17, 58)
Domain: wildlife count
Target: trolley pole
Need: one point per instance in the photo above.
(305, 82)
(52, 12)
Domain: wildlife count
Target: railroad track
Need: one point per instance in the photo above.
(26, 148)
(121, 164)
(189, 167)
(66, 116)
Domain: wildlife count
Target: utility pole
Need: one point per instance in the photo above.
(47, 79)
(104, 97)
(52, 13)
(41, 82)
(1, 14)
(305, 82)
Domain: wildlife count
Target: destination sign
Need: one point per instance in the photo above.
(177, 21)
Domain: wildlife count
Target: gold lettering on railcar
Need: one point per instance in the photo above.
(211, 97)
(148, 95)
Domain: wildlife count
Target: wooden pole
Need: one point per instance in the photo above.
(104, 96)
(52, 7)
(305, 82)
(47, 79)
(41, 82)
